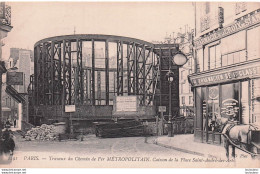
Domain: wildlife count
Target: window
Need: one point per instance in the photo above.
(189, 71)
(253, 43)
(232, 49)
(190, 100)
(206, 59)
(183, 100)
(214, 57)
(182, 88)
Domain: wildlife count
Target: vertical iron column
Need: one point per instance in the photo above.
(136, 70)
(120, 71)
(93, 73)
(107, 71)
(42, 76)
(63, 100)
(128, 56)
(36, 67)
(59, 74)
(52, 73)
(144, 76)
(69, 71)
(160, 76)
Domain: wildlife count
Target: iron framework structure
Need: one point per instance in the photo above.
(91, 69)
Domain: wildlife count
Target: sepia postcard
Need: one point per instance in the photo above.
(129, 85)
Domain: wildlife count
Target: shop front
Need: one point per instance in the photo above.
(230, 93)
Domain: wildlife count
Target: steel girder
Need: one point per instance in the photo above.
(62, 79)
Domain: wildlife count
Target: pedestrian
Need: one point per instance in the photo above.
(7, 124)
(14, 123)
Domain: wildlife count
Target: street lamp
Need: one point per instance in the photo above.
(178, 59)
(170, 77)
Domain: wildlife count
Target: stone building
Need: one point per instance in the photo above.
(227, 67)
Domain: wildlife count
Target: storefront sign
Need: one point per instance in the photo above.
(232, 75)
(240, 25)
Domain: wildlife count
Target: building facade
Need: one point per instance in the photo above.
(5, 27)
(226, 80)
(22, 61)
(186, 95)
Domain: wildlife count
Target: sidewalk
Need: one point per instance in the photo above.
(185, 143)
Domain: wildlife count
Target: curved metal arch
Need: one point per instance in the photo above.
(95, 37)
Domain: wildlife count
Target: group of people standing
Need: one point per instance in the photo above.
(9, 124)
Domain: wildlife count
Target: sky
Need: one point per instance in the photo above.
(149, 21)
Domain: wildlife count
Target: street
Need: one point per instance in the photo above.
(109, 150)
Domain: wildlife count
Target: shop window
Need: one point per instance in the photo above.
(204, 108)
(214, 123)
(255, 99)
(199, 107)
(245, 103)
(253, 43)
(230, 101)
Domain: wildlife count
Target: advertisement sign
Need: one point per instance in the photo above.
(70, 108)
(162, 108)
(14, 78)
(126, 103)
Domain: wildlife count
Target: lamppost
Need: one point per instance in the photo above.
(179, 59)
(170, 75)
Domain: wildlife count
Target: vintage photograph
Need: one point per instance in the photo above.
(129, 85)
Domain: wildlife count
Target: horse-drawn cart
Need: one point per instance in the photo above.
(243, 137)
